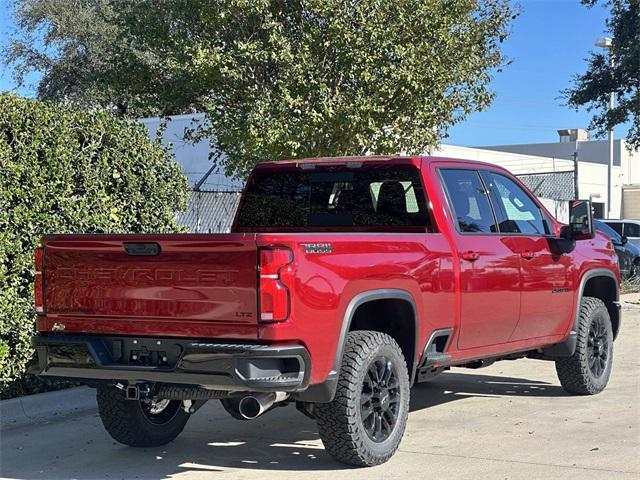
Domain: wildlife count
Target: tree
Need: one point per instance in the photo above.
(65, 171)
(277, 79)
(592, 89)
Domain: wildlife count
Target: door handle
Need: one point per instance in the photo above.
(470, 255)
(527, 254)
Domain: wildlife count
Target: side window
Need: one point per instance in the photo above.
(515, 210)
(468, 201)
(616, 226)
(632, 230)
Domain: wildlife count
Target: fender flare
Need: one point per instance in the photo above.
(325, 391)
(589, 274)
(370, 296)
(568, 346)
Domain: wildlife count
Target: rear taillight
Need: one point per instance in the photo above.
(38, 291)
(274, 294)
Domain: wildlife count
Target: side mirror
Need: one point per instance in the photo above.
(580, 220)
(623, 240)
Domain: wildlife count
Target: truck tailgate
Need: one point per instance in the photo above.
(201, 278)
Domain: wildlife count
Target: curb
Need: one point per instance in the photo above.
(42, 407)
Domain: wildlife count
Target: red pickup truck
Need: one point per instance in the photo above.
(344, 281)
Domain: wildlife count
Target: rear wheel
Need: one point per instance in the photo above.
(140, 423)
(587, 371)
(365, 422)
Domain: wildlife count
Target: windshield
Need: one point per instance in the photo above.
(366, 198)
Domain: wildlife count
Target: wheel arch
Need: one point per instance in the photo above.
(603, 284)
(378, 303)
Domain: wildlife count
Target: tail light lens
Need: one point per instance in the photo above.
(274, 294)
(38, 293)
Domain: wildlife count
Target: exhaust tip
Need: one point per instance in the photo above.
(250, 407)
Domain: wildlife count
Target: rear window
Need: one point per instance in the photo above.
(369, 198)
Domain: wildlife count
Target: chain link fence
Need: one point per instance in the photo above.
(551, 185)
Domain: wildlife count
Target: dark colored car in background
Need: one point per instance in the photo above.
(628, 253)
(629, 228)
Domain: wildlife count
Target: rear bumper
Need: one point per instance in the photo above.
(223, 366)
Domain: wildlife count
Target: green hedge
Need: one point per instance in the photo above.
(64, 170)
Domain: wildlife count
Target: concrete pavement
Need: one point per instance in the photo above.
(508, 421)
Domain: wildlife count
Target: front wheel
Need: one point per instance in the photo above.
(365, 422)
(140, 423)
(587, 371)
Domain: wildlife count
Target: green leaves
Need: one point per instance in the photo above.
(592, 89)
(68, 171)
(277, 79)
(334, 78)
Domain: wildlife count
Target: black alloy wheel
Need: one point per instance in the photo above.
(598, 347)
(587, 371)
(364, 423)
(380, 399)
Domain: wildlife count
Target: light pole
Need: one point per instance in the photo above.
(606, 42)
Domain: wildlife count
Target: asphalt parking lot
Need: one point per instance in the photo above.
(508, 421)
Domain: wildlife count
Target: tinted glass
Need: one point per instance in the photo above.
(631, 230)
(468, 200)
(607, 230)
(616, 226)
(515, 210)
(369, 197)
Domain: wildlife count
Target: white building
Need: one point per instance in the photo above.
(215, 196)
(194, 158)
(593, 158)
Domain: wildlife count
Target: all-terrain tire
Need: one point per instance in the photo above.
(579, 373)
(131, 423)
(341, 423)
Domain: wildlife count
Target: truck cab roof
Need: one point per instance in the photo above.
(417, 160)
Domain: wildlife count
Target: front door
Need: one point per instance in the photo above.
(547, 295)
(489, 263)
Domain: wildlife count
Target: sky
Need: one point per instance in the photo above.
(549, 44)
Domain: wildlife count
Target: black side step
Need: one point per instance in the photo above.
(432, 359)
(435, 348)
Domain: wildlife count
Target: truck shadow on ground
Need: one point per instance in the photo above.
(282, 440)
(451, 386)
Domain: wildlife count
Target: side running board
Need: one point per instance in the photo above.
(434, 356)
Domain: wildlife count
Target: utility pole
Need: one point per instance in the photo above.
(576, 196)
(606, 44)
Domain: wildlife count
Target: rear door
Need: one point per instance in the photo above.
(489, 263)
(200, 278)
(546, 287)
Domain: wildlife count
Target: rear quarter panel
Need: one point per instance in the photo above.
(325, 284)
